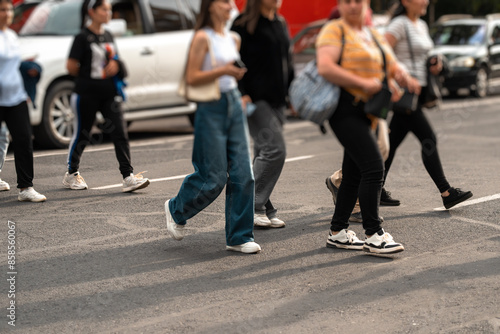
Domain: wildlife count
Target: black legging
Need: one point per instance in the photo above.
(417, 122)
(362, 167)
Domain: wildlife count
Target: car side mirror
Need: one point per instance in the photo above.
(117, 27)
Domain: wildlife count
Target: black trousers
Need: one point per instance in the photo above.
(85, 108)
(17, 119)
(416, 122)
(362, 166)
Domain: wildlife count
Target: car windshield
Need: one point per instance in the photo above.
(459, 34)
(53, 18)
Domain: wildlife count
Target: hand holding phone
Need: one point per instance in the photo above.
(238, 63)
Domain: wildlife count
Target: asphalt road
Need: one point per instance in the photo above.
(100, 261)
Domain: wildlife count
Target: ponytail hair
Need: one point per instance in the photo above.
(399, 10)
(86, 6)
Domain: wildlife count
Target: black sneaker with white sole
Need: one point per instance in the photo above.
(455, 197)
(382, 243)
(345, 239)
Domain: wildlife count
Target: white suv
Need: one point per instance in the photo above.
(152, 37)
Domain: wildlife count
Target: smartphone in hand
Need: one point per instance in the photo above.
(238, 63)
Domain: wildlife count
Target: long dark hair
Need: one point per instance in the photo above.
(204, 19)
(399, 10)
(85, 10)
(250, 16)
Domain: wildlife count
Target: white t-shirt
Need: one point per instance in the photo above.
(421, 44)
(12, 90)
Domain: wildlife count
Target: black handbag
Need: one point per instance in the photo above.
(407, 103)
(380, 103)
(433, 92)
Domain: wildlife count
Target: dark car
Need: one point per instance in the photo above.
(472, 47)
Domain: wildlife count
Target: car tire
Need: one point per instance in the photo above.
(481, 83)
(57, 127)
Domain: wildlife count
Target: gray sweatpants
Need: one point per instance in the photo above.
(266, 129)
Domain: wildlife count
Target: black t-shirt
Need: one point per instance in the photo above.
(93, 53)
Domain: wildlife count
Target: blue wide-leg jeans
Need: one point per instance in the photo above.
(221, 157)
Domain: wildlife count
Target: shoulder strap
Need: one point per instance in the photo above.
(343, 42)
(383, 54)
(409, 46)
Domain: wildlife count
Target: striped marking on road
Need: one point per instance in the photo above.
(108, 147)
(176, 177)
(472, 202)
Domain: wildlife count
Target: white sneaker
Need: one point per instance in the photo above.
(74, 181)
(4, 186)
(345, 239)
(382, 244)
(134, 182)
(175, 230)
(277, 223)
(31, 195)
(247, 248)
(261, 220)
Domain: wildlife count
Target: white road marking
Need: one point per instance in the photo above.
(176, 177)
(304, 157)
(108, 147)
(472, 202)
(477, 222)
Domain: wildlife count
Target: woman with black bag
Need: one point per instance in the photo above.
(357, 59)
(409, 37)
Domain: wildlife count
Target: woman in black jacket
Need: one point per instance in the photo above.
(265, 50)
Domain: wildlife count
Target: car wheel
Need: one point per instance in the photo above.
(481, 83)
(56, 128)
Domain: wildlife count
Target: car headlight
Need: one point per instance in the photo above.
(463, 62)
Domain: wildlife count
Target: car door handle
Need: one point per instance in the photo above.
(146, 52)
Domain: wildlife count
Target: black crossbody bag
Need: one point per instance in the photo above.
(380, 103)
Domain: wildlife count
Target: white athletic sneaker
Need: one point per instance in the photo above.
(247, 248)
(30, 195)
(134, 182)
(345, 239)
(277, 223)
(74, 181)
(175, 230)
(382, 244)
(261, 220)
(4, 186)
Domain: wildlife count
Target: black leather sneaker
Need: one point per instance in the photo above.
(456, 196)
(387, 200)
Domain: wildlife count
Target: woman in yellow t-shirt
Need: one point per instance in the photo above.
(357, 67)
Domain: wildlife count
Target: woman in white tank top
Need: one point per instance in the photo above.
(221, 155)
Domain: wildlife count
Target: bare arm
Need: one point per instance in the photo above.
(194, 74)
